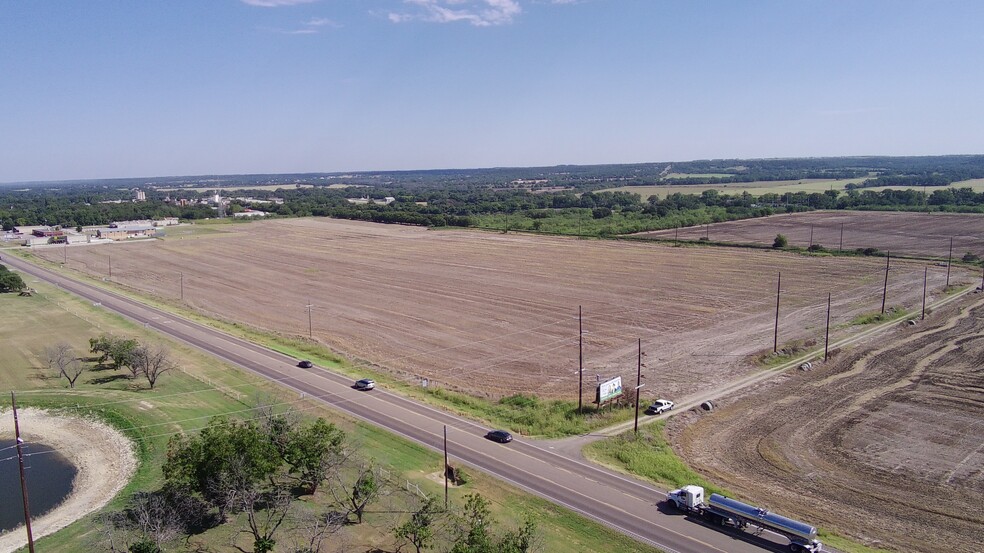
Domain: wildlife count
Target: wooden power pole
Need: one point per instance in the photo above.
(580, 361)
(23, 479)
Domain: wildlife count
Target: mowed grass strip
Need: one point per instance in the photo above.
(186, 400)
(647, 454)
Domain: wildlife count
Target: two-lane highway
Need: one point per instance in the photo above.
(623, 503)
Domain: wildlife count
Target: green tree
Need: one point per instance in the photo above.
(313, 451)
(226, 461)
(474, 532)
(780, 242)
(10, 281)
(419, 530)
(145, 545)
(524, 540)
(119, 350)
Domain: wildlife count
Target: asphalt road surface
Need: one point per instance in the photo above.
(628, 505)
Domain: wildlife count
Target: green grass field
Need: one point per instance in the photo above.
(234, 188)
(671, 176)
(185, 401)
(754, 188)
(977, 185)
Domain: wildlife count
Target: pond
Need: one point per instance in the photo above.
(49, 481)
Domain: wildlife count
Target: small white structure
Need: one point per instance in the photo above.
(250, 213)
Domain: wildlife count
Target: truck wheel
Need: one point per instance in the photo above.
(794, 547)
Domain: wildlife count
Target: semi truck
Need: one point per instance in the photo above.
(724, 511)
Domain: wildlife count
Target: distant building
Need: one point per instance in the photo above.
(135, 223)
(139, 195)
(120, 233)
(250, 213)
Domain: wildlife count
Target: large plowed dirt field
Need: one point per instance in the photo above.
(915, 234)
(886, 440)
(496, 314)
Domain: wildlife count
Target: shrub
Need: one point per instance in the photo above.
(970, 258)
(816, 248)
(780, 242)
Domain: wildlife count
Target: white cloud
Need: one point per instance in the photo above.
(480, 13)
(321, 22)
(276, 3)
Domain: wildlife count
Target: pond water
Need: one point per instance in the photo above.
(49, 481)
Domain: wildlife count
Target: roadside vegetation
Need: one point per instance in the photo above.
(299, 471)
(647, 454)
(890, 314)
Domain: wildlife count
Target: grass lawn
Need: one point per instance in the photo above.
(185, 400)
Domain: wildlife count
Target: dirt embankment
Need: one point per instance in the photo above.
(103, 456)
(884, 443)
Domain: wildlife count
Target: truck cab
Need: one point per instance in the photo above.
(687, 498)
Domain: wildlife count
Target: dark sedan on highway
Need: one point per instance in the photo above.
(500, 436)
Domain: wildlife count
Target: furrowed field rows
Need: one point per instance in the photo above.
(489, 313)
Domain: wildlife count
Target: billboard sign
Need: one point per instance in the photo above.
(609, 389)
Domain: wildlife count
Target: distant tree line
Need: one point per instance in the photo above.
(490, 197)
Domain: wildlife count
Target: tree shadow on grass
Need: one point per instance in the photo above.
(108, 379)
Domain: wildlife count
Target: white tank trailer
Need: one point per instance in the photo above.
(725, 511)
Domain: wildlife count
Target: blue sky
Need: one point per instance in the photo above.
(101, 89)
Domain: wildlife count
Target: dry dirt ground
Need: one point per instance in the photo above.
(496, 314)
(916, 234)
(886, 440)
(103, 457)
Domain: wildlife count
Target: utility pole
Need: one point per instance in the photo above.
(182, 285)
(676, 233)
(580, 361)
(826, 341)
(925, 276)
(23, 480)
(110, 266)
(949, 259)
(811, 236)
(445, 467)
(707, 232)
(65, 249)
(310, 326)
(888, 260)
(638, 388)
(841, 247)
(775, 338)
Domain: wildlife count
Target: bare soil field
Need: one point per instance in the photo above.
(496, 314)
(916, 234)
(885, 443)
